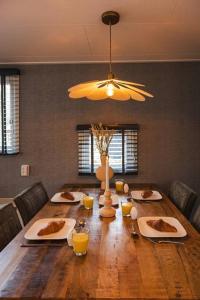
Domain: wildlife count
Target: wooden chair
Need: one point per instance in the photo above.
(30, 201)
(195, 215)
(183, 197)
(9, 224)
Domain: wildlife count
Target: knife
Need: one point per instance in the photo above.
(43, 245)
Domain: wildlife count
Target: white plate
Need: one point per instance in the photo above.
(32, 233)
(147, 231)
(137, 195)
(78, 196)
(114, 197)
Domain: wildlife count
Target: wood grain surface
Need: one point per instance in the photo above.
(116, 265)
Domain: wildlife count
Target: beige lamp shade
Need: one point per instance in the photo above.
(109, 89)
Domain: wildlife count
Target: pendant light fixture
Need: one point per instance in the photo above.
(110, 88)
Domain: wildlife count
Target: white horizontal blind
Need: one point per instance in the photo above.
(122, 151)
(130, 151)
(9, 113)
(84, 152)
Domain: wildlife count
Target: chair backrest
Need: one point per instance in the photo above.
(9, 224)
(183, 197)
(195, 215)
(30, 201)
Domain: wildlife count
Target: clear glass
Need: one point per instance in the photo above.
(119, 185)
(126, 209)
(80, 239)
(88, 202)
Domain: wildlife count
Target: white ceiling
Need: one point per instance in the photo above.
(39, 31)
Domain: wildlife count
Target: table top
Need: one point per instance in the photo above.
(116, 265)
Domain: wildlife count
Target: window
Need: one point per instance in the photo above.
(122, 150)
(9, 111)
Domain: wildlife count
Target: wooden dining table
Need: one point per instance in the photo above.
(117, 266)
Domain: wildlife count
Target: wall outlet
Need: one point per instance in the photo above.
(25, 170)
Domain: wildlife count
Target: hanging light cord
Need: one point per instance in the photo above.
(110, 64)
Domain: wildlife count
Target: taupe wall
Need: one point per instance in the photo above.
(169, 139)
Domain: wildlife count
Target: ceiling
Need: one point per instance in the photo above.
(70, 31)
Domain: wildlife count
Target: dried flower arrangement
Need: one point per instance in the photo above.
(103, 137)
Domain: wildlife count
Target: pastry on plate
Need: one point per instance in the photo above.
(147, 194)
(52, 227)
(161, 226)
(67, 195)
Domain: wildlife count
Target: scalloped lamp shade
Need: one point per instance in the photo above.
(108, 89)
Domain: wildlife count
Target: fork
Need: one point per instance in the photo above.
(134, 232)
(164, 241)
(131, 199)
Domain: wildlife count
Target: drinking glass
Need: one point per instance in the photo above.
(88, 202)
(119, 185)
(126, 209)
(80, 239)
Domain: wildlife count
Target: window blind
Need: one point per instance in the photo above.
(123, 156)
(9, 111)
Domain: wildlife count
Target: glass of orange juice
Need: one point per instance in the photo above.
(80, 241)
(119, 185)
(126, 209)
(88, 202)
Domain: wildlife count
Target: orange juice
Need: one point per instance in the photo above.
(126, 209)
(80, 243)
(88, 202)
(119, 186)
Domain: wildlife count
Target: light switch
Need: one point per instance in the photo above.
(25, 170)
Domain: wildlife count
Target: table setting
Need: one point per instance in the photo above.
(125, 241)
(63, 231)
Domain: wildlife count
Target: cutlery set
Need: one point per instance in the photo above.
(156, 241)
(44, 245)
(136, 235)
(143, 201)
(131, 199)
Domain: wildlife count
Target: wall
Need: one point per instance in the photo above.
(169, 139)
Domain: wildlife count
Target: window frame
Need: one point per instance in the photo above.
(3, 74)
(122, 127)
